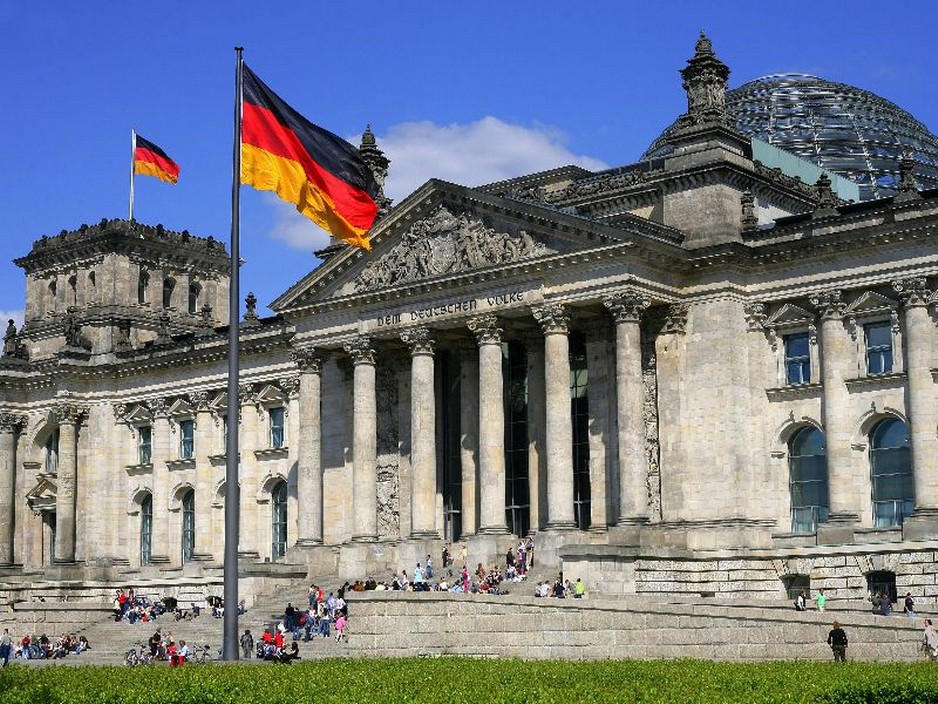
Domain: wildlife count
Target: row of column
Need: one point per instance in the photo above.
(922, 405)
(488, 424)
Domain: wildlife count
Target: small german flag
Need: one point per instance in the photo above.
(150, 160)
(319, 172)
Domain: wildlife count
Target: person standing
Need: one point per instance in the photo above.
(6, 646)
(820, 598)
(930, 641)
(801, 601)
(463, 553)
(247, 644)
(837, 640)
(908, 606)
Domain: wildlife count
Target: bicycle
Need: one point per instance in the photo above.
(201, 654)
(138, 656)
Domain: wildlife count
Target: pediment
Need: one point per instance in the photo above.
(789, 315)
(445, 243)
(42, 496)
(270, 394)
(181, 407)
(871, 303)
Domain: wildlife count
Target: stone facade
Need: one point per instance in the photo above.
(625, 364)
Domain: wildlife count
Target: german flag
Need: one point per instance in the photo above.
(319, 172)
(150, 160)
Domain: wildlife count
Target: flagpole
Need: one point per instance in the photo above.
(133, 163)
(232, 491)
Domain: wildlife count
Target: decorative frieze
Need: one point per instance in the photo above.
(486, 330)
(554, 318)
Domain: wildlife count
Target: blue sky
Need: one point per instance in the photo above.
(471, 93)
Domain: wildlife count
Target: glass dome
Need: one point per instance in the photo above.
(849, 131)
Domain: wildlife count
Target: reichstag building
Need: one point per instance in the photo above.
(710, 371)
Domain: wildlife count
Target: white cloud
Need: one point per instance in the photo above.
(15, 315)
(470, 154)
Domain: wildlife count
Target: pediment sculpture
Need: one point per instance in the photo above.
(444, 243)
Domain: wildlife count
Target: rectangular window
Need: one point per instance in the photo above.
(797, 359)
(275, 416)
(878, 348)
(145, 444)
(186, 439)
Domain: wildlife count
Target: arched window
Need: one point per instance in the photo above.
(143, 287)
(168, 286)
(194, 291)
(278, 520)
(188, 525)
(52, 453)
(146, 529)
(807, 472)
(891, 470)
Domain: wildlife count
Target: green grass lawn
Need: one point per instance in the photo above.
(459, 680)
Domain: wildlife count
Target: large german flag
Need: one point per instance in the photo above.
(319, 172)
(150, 160)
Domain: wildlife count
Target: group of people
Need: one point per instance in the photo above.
(801, 601)
(132, 607)
(561, 588)
(41, 647)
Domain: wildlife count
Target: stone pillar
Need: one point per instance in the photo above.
(66, 414)
(555, 320)
(10, 425)
(626, 309)
(422, 432)
(922, 409)
(201, 442)
(836, 355)
(309, 461)
(469, 429)
(253, 540)
(537, 455)
(600, 425)
(364, 441)
(159, 456)
(491, 425)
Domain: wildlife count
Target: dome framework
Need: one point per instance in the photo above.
(847, 130)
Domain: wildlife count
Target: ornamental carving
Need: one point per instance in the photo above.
(554, 318)
(676, 320)
(361, 350)
(158, 407)
(485, 328)
(650, 417)
(308, 360)
(388, 457)
(830, 304)
(445, 244)
(627, 307)
(198, 400)
(914, 291)
(247, 394)
(66, 413)
(755, 316)
(12, 421)
(290, 385)
(419, 340)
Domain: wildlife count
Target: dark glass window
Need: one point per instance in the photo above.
(188, 525)
(797, 359)
(882, 582)
(143, 287)
(278, 520)
(878, 348)
(891, 467)
(186, 439)
(275, 416)
(807, 469)
(146, 529)
(168, 286)
(194, 291)
(795, 583)
(517, 489)
(579, 407)
(145, 444)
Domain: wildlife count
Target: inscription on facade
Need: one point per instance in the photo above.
(456, 307)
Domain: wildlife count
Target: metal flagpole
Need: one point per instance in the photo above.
(232, 491)
(133, 164)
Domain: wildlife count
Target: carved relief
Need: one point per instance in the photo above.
(755, 316)
(627, 307)
(650, 416)
(419, 340)
(308, 360)
(443, 244)
(830, 303)
(198, 400)
(387, 407)
(913, 291)
(361, 350)
(12, 421)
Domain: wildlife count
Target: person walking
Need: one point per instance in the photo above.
(821, 599)
(908, 607)
(837, 640)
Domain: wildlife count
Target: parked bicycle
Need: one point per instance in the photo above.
(201, 654)
(138, 655)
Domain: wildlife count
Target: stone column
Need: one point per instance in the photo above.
(365, 442)
(600, 426)
(491, 425)
(66, 414)
(626, 309)
(309, 461)
(10, 425)
(469, 429)
(422, 432)
(253, 540)
(201, 441)
(159, 456)
(537, 455)
(836, 355)
(922, 408)
(555, 320)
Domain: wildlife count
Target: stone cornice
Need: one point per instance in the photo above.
(872, 383)
(792, 393)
